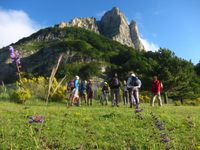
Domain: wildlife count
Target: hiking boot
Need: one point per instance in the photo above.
(138, 110)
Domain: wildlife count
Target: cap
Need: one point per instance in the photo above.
(77, 77)
(133, 74)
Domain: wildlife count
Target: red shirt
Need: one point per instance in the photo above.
(156, 86)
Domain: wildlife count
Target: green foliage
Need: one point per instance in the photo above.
(21, 95)
(177, 103)
(36, 85)
(145, 99)
(60, 93)
(85, 71)
(192, 103)
(197, 68)
(179, 77)
(4, 96)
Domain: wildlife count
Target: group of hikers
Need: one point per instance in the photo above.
(84, 91)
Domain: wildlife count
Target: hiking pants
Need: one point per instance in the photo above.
(153, 98)
(104, 98)
(115, 96)
(125, 97)
(134, 98)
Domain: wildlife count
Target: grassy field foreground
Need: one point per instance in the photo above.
(99, 127)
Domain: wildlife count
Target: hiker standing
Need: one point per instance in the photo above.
(115, 90)
(83, 94)
(105, 92)
(125, 93)
(134, 84)
(156, 88)
(75, 96)
(70, 87)
(90, 92)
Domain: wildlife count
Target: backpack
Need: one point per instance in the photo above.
(115, 82)
(135, 81)
(70, 84)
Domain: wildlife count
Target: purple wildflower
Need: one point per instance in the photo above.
(37, 119)
(14, 55)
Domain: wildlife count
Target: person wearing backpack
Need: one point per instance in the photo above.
(115, 90)
(156, 88)
(134, 84)
(105, 92)
(90, 92)
(75, 95)
(125, 93)
(83, 94)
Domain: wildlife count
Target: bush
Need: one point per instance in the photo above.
(36, 85)
(145, 99)
(4, 96)
(21, 95)
(60, 93)
(177, 103)
(192, 103)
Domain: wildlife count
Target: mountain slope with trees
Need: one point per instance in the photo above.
(85, 53)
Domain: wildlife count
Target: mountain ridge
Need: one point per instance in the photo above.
(113, 24)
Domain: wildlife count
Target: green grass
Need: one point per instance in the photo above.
(97, 127)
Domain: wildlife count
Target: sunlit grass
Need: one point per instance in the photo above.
(97, 127)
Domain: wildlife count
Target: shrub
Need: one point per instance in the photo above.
(192, 103)
(145, 99)
(198, 100)
(21, 95)
(60, 93)
(4, 96)
(36, 85)
(177, 103)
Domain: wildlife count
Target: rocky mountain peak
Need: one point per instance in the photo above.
(115, 10)
(113, 24)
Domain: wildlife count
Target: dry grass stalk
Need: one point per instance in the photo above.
(58, 85)
(53, 73)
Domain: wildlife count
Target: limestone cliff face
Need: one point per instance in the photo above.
(113, 24)
(135, 37)
(87, 23)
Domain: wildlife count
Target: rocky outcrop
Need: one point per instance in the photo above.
(113, 24)
(135, 37)
(87, 23)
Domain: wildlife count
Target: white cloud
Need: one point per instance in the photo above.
(149, 46)
(14, 25)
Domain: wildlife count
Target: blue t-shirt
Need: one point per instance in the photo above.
(76, 84)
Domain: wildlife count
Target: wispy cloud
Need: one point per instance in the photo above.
(100, 14)
(14, 25)
(148, 45)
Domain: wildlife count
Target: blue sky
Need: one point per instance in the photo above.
(172, 24)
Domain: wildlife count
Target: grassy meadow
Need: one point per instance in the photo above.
(99, 127)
